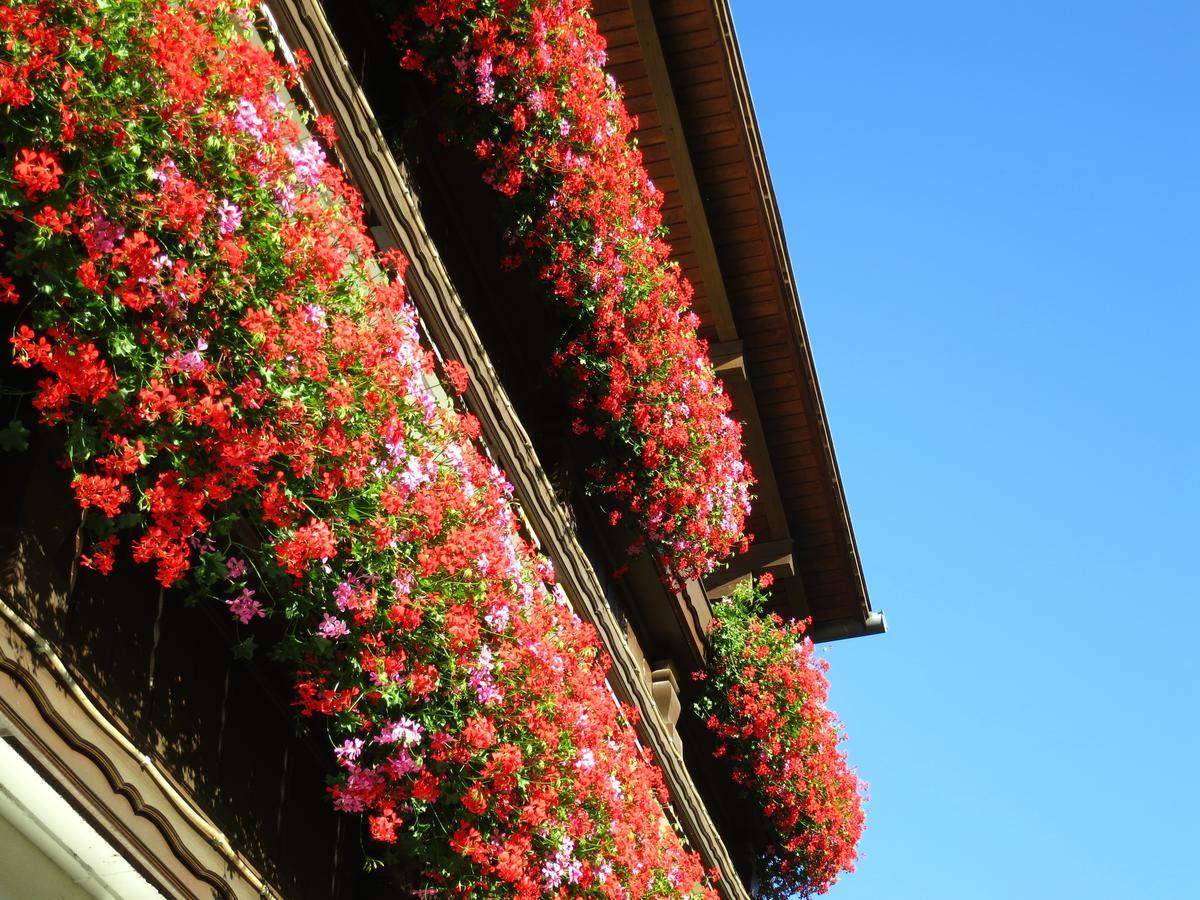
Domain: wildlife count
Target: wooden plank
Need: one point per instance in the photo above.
(680, 23)
(728, 161)
(617, 33)
(805, 469)
(736, 235)
(819, 550)
(633, 89)
(798, 461)
(680, 44)
(790, 447)
(771, 385)
(704, 86)
(757, 352)
(740, 264)
(751, 248)
(799, 451)
(678, 7)
(717, 120)
(648, 118)
(622, 56)
(732, 188)
(781, 365)
(761, 285)
(754, 313)
(625, 71)
(703, 142)
(692, 108)
(790, 406)
(699, 64)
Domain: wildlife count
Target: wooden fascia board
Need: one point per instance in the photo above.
(120, 788)
(768, 499)
(760, 173)
(384, 184)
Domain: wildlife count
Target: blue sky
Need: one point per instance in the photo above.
(993, 210)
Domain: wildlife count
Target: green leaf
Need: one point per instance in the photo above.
(244, 649)
(14, 436)
(121, 344)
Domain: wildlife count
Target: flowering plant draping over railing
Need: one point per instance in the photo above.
(764, 700)
(244, 398)
(552, 133)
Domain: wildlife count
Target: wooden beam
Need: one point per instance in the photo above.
(125, 791)
(728, 359)
(774, 557)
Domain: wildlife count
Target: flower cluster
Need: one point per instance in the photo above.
(764, 700)
(247, 408)
(552, 133)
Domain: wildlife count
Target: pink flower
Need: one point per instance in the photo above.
(349, 750)
(402, 763)
(315, 314)
(332, 627)
(403, 730)
(105, 235)
(245, 607)
(343, 594)
(247, 120)
(309, 160)
(230, 216)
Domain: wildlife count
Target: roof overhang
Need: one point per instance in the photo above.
(681, 70)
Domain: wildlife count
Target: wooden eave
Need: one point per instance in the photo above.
(679, 65)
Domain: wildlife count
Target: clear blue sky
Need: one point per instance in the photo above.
(993, 210)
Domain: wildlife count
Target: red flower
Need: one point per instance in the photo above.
(480, 732)
(106, 493)
(383, 827)
(36, 172)
(8, 290)
(764, 702)
(456, 373)
(550, 130)
(102, 556)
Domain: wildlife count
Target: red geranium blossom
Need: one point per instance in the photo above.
(764, 700)
(36, 172)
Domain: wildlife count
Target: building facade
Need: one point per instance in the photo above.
(181, 764)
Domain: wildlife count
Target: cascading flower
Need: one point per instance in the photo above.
(551, 132)
(764, 701)
(247, 405)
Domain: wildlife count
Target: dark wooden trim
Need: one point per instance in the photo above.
(108, 784)
(774, 558)
(384, 184)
